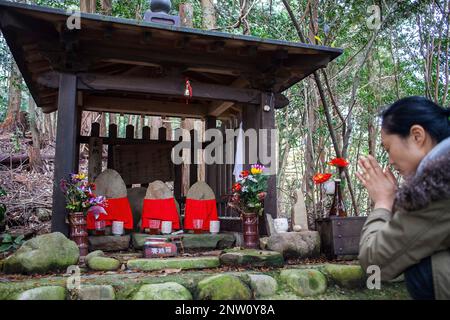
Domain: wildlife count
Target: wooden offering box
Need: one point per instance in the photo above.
(340, 236)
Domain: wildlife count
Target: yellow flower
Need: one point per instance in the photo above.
(256, 170)
(80, 176)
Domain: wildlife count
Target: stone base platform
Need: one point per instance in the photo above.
(205, 241)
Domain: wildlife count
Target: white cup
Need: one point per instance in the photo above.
(214, 226)
(166, 227)
(117, 228)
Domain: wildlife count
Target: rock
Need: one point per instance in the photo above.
(48, 252)
(103, 264)
(270, 225)
(96, 292)
(163, 291)
(223, 287)
(109, 243)
(262, 285)
(136, 198)
(346, 276)
(256, 258)
(299, 212)
(158, 190)
(173, 263)
(263, 242)
(44, 214)
(200, 191)
(192, 241)
(96, 253)
(110, 184)
(304, 282)
(44, 293)
(297, 228)
(304, 244)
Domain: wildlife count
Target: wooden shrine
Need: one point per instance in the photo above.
(136, 67)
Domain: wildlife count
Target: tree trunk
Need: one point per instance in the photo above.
(34, 151)
(107, 7)
(88, 6)
(208, 15)
(15, 99)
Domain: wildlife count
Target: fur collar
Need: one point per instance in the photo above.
(430, 185)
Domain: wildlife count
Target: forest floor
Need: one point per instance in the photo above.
(28, 198)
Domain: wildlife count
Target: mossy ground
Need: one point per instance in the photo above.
(127, 284)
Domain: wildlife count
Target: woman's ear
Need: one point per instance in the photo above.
(418, 134)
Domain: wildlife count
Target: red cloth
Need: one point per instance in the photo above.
(160, 209)
(118, 209)
(200, 209)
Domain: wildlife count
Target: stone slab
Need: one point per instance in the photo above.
(173, 263)
(109, 243)
(192, 241)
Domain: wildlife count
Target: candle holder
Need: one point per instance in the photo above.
(100, 227)
(154, 226)
(198, 226)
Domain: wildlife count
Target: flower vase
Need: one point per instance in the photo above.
(250, 230)
(78, 233)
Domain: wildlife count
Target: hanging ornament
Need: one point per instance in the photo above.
(188, 91)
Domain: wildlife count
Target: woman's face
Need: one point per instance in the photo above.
(405, 154)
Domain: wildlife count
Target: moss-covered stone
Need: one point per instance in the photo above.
(48, 252)
(223, 287)
(96, 292)
(304, 282)
(96, 253)
(44, 293)
(163, 291)
(103, 264)
(257, 258)
(192, 241)
(262, 285)
(346, 276)
(173, 263)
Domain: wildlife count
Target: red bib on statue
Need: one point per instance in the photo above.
(160, 209)
(117, 210)
(205, 210)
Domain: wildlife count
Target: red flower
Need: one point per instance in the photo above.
(321, 177)
(244, 174)
(261, 196)
(237, 187)
(338, 162)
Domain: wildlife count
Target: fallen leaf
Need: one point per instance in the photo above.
(170, 271)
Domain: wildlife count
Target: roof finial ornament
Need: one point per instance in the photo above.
(161, 6)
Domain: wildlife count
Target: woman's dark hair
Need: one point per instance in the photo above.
(399, 117)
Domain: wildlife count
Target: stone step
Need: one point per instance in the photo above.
(297, 282)
(109, 243)
(173, 263)
(192, 241)
(252, 257)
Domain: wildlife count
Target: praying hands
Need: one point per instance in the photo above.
(381, 184)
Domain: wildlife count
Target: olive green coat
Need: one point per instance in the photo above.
(419, 228)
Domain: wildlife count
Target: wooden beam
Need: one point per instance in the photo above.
(145, 107)
(218, 108)
(66, 143)
(165, 86)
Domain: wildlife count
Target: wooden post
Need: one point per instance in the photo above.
(211, 176)
(95, 153)
(66, 142)
(268, 122)
(178, 178)
(254, 117)
(193, 167)
(112, 133)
